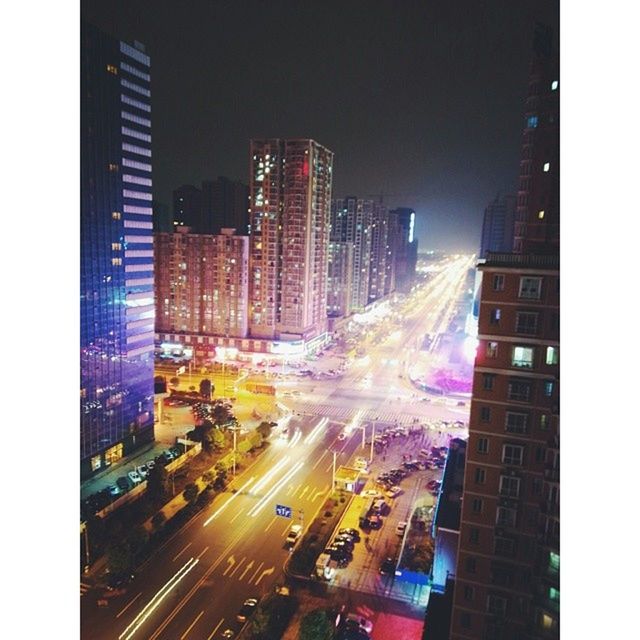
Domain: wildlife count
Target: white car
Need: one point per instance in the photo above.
(293, 535)
(371, 493)
(401, 528)
(364, 623)
(394, 492)
(134, 476)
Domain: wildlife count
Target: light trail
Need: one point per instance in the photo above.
(315, 432)
(157, 599)
(260, 505)
(226, 504)
(261, 483)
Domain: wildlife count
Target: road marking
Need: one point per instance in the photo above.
(202, 553)
(255, 573)
(236, 516)
(286, 529)
(176, 557)
(270, 524)
(266, 572)
(226, 504)
(246, 569)
(296, 490)
(231, 560)
(184, 635)
(290, 489)
(127, 606)
(237, 566)
(304, 491)
(216, 628)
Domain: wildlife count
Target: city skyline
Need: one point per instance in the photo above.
(390, 131)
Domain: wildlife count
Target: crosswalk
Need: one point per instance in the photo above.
(345, 414)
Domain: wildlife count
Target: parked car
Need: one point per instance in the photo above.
(352, 532)
(364, 623)
(134, 476)
(388, 566)
(394, 492)
(293, 535)
(150, 464)
(123, 483)
(115, 490)
(371, 493)
(143, 471)
(247, 609)
(400, 528)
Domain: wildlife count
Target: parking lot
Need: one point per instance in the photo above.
(380, 548)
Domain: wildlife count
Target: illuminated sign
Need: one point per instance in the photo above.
(288, 348)
(411, 225)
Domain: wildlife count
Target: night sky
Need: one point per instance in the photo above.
(420, 100)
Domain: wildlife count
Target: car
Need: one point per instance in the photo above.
(150, 464)
(118, 580)
(352, 532)
(342, 545)
(228, 633)
(247, 609)
(143, 471)
(123, 483)
(115, 490)
(374, 522)
(344, 542)
(371, 493)
(168, 456)
(364, 623)
(394, 492)
(400, 528)
(388, 566)
(293, 535)
(134, 476)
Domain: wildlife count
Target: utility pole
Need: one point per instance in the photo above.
(373, 435)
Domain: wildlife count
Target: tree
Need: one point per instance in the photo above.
(220, 414)
(260, 622)
(264, 429)
(315, 626)
(190, 492)
(174, 381)
(119, 557)
(208, 477)
(157, 484)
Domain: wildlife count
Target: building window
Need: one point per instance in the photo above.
(496, 605)
(468, 593)
(480, 476)
(548, 388)
(113, 167)
(483, 445)
(519, 390)
(522, 357)
(548, 622)
(488, 380)
(465, 620)
(536, 486)
(498, 282)
(541, 214)
(532, 122)
(552, 355)
(530, 288)
(546, 167)
(554, 85)
(516, 422)
(492, 349)
(112, 69)
(476, 505)
(554, 561)
(509, 486)
(470, 564)
(540, 454)
(527, 322)
(544, 421)
(505, 517)
(485, 414)
(512, 454)
(116, 215)
(96, 462)
(503, 547)
(495, 316)
(474, 535)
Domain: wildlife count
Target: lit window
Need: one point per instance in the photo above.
(112, 69)
(552, 355)
(522, 357)
(548, 388)
(554, 85)
(544, 421)
(495, 316)
(546, 167)
(113, 167)
(541, 214)
(492, 349)
(116, 262)
(532, 122)
(116, 215)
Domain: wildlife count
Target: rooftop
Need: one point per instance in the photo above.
(522, 261)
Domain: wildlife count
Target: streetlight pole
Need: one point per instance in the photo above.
(373, 435)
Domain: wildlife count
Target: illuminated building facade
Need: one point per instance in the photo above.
(116, 251)
(508, 566)
(380, 252)
(290, 200)
(352, 221)
(202, 283)
(339, 279)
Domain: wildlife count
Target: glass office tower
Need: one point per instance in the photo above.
(116, 251)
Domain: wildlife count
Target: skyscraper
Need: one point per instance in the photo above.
(225, 205)
(339, 279)
(507, 573)
(352, 221)
(116, 250)
(290, 199)
(406, 248)
(497, 226)
(379, 252)
(187, 207)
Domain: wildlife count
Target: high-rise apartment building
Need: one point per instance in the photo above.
(406, 248)
(380, 252)
(507, 574)
(497, 226)
(290, 199)
(225, 205)
(352, 221)
(339, 278)
(187, 208)
(116, 250)
(202, 283)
